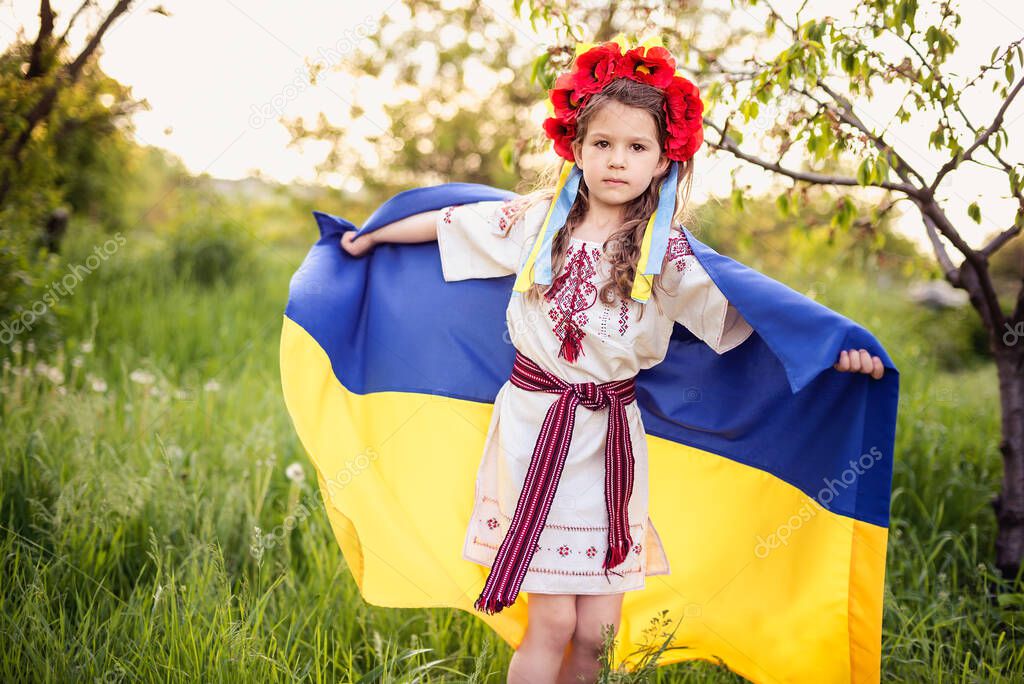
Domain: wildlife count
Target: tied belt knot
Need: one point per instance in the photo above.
(520, 543)
(591, 395)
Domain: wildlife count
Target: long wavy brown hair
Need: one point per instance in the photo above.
(622, 248)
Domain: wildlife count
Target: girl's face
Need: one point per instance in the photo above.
(621, 143)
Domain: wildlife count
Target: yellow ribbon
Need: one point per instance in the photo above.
(525, 277)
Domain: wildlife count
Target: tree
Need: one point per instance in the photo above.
(44, 66)
(63, 141)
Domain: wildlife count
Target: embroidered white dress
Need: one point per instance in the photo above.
(473, 243)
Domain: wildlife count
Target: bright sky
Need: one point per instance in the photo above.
(219, 74)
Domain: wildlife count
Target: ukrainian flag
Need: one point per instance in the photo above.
(770, 472)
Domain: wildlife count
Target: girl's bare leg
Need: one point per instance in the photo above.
(592, 613)
(550, 623)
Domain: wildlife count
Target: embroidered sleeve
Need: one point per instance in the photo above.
(477, 240)
(696, 302)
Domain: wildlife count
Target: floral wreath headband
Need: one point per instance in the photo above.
(595, 66)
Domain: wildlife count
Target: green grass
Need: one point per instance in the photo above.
(128, 511)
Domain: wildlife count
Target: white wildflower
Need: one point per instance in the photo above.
(212, 386)
(142, 377)
(52, 373)
(78, 361)
(30, 346)
(98, 384)
(86, 347)
(295, 473)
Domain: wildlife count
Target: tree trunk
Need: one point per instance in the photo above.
(1009, 503)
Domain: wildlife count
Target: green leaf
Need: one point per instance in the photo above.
(540, 67)
(974, 212)
(881, 169)
(782, 203)
(507, 155)
(737, 199)
(865, 172)
(849, 63)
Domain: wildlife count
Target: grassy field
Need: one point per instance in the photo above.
(146, 455)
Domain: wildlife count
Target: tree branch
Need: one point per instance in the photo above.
(71, 22)
(951, 272)
(35, 63)
(999, 240)
(75, 68)
(988, 305)
(728, 144)
(847, 115)
(997, 122)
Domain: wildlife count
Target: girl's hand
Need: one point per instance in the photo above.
(356, 246)
(859, 361)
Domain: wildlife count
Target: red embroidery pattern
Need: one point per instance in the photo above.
(573, 293)
(580, 573)
(565, 551)
(505, 216)
(678, 247)
(623, 318)
(568, 528)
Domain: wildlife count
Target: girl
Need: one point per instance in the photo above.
(563, 515)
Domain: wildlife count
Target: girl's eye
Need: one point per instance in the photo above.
(599, 143)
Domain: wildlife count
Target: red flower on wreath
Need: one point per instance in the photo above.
(596, 68)
(562, 134)
(654, 66)
(683, 116)
(566, 99)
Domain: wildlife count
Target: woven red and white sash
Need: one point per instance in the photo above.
(520, 543)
